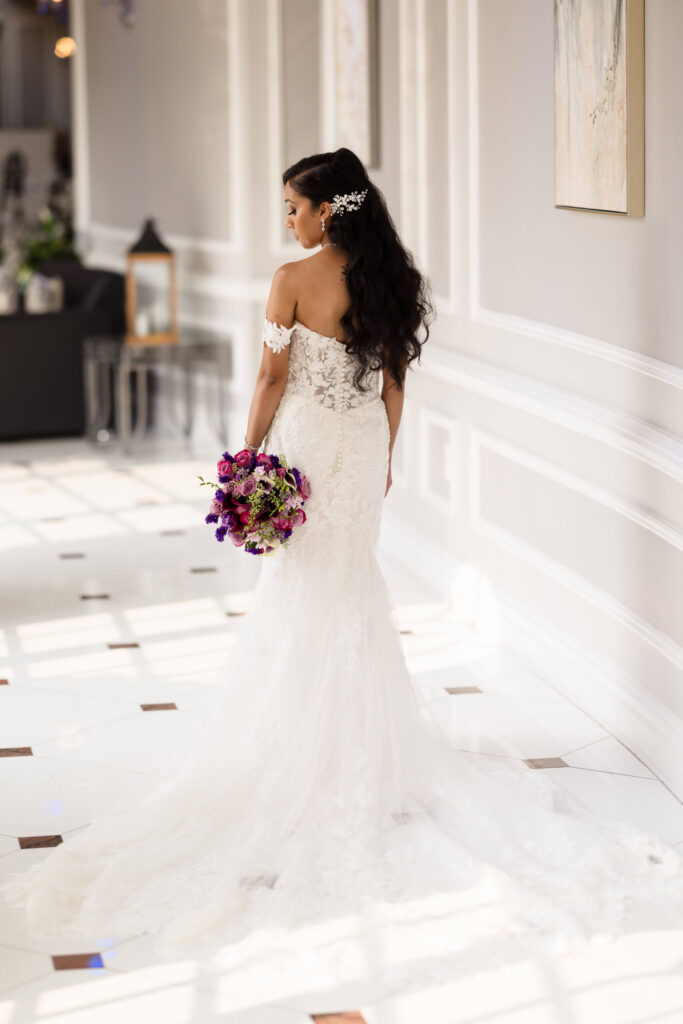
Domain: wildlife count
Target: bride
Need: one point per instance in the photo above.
(314, 808)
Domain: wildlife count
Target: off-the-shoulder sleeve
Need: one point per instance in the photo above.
(276, 337)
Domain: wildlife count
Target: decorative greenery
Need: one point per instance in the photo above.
(48, 241)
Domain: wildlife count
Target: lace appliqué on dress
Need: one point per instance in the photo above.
(275, 336)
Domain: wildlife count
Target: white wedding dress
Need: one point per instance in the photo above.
(314, 812)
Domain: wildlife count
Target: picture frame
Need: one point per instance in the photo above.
(599, 108)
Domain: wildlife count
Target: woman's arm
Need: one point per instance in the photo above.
(272, 373)
(393, 400)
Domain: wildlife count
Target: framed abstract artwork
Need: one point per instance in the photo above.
(356, 78)
(599, 67)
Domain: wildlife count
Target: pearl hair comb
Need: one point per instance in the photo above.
(349, 201)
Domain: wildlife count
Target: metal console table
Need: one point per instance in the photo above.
(109, 364)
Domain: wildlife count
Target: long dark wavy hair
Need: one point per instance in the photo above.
(390, 298)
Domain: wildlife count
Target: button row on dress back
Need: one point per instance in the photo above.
(337, 403)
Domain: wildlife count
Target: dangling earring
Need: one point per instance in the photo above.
(323, 223)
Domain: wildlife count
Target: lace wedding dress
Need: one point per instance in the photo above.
(314, 813)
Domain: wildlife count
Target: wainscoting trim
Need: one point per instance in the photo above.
(604, 423)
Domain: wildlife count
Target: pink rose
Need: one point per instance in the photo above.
(264, 460)
(243, 458)
(224, 468)
(305, 486)
(248, 486)
(281, 522)
(216, 507)
(281, 471)
(237, 539)
(298, 517)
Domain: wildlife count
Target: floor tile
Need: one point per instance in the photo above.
(608, 755)
(18, 966)
(523, 727)
(642, 802)
(43, 795)
(27, 718)
(131, 742)
(635, 981)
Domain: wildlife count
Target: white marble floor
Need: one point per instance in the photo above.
(114, 597)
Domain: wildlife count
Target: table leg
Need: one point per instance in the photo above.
(220, 385)
(188, 393)
(123, 425)
(141, 396)
(90, 376)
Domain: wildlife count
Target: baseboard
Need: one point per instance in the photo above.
(615, 700)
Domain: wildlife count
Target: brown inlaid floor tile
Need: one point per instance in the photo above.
(406, 632)
(4, 682)
(341, 1017)
(16, 752)
(253, 881)
(31, 842)
(545, 762)
(405, 817)
(72, 554)
(232, 614)
(72, 961)
(98, 597)
(159, 707)
(123, 643)
(205, 568)
(462, 689)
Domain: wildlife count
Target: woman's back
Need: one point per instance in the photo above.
(322, 295)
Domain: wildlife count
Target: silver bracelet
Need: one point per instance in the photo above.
(251, 447)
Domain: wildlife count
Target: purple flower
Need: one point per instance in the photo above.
(211, 518)
(248, 485)
(297, 477)
(221, 532)
(219, 494)
(275, 461)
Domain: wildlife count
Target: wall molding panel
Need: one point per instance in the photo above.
(622, 431)
(560, 573)
(430, 424)
(482, 440)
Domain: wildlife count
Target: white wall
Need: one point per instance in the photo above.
(546, 418)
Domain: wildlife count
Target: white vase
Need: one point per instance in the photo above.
(9, 293)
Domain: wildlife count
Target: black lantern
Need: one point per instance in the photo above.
(151, 295)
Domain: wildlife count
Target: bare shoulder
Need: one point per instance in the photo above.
(281, 301)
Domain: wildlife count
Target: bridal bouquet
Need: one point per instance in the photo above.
(258, 500)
